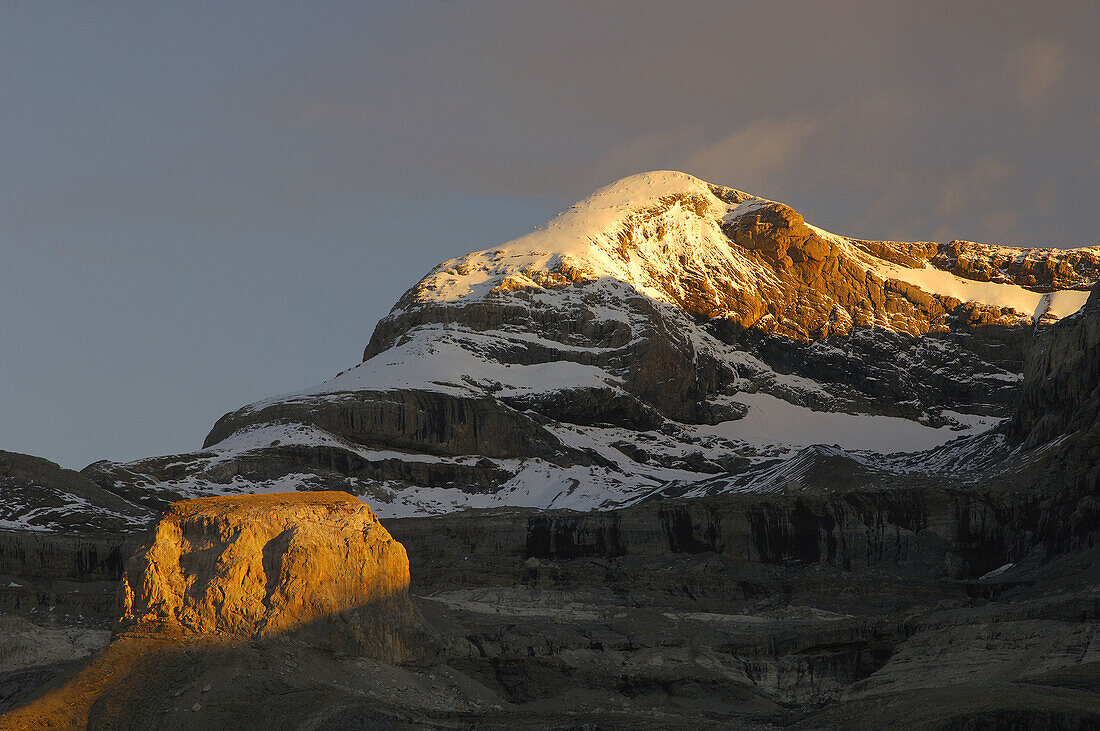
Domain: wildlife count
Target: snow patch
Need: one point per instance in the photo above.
(771, 420)
(1024, 301)
(996, 572)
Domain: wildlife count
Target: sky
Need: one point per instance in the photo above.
(208, 203)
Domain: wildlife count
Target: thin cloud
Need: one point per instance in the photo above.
(972, 188)
(751, 156)
(1040, 67)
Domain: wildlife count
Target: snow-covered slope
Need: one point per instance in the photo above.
(662, 333)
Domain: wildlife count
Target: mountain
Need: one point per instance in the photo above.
(663, 336)
(824, 483)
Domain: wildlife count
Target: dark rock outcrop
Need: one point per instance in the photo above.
(1061, 393)
(40, 495)
(406, 420)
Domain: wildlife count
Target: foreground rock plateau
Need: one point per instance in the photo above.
(315, 570)
(258, 565)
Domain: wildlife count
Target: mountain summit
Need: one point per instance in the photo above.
(664, 334)
(721, 253)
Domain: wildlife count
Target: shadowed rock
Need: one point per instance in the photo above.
(39, 495)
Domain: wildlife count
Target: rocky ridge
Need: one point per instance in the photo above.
(41, 496)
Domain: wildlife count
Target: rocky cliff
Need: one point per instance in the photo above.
(1061, 393)
(257, 565)
(219, 579)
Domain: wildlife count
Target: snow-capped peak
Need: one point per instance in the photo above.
(638, 230)
(672, 237)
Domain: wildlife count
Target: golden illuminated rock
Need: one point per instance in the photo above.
(254, 565)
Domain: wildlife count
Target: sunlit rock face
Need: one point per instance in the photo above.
(258, 565)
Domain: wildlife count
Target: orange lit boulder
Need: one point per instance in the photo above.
(259, 565)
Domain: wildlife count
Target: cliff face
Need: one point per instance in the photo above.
(230, 588)
(260, 564)
(1061, 393)
(1057, 428)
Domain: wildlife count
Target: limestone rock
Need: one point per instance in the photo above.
(258, 565)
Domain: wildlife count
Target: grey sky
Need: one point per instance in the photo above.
(203, 204)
